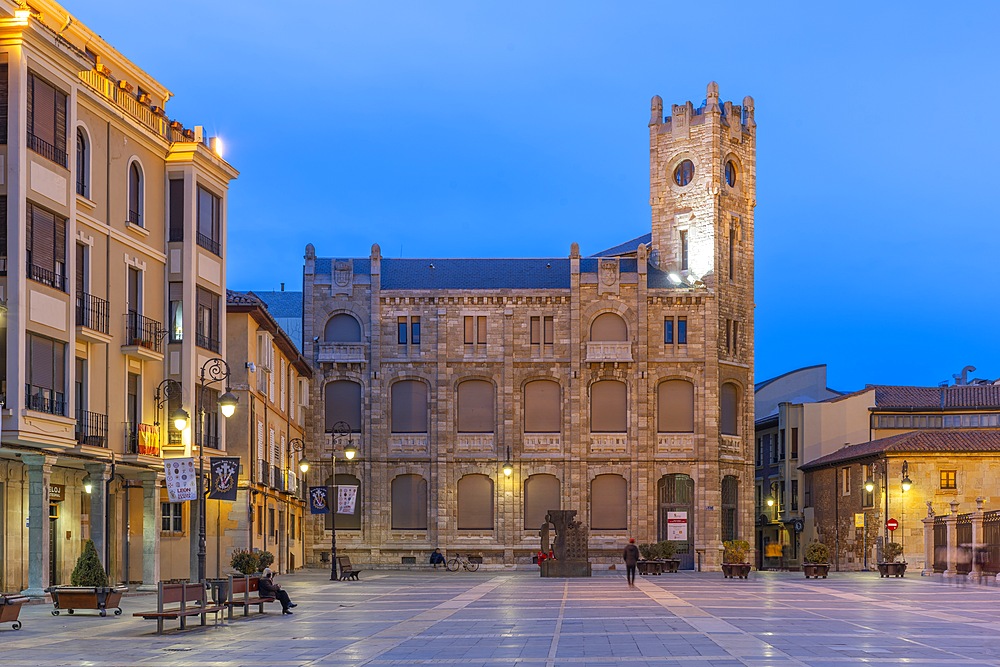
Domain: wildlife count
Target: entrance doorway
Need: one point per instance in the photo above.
(53, 545)
(676, 495)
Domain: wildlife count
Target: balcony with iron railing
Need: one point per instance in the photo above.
(91, 429)
(207, 342)
(142, 439)
(209, 244)
(42, 399)
(144, 332)
(46, 276)
(47, 150)
(135, 218)
(264, 473)
(92, 312)
(277, 479)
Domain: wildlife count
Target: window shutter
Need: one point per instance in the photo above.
(30, 103)
(44, 238)
(45, 112)
(60, 126)
(176, 201)
(3, 226)
(3, 103)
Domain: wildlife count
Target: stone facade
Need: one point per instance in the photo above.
(595, 327)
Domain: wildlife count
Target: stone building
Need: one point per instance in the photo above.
(113, 269)
(619, 385)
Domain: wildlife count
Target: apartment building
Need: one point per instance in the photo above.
(113, 257)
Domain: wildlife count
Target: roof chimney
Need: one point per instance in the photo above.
(282, 287)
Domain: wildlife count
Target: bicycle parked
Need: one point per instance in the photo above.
(459, 560)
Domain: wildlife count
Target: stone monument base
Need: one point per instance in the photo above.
(565, 568)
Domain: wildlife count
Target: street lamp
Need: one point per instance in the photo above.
(167, 391)
(340, 429)
(878, 466)
(905, 485)
(299, 445)
(508, 467)
(212, 371)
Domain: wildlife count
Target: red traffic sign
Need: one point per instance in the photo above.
(892, 524)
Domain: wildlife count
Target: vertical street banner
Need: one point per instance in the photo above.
(347, 496)
(182, 481)
(225, 473)
(318, 503)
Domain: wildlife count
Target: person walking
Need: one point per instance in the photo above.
(266, 588)
(631, 556)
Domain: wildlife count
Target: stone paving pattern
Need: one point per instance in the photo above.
(499, 619)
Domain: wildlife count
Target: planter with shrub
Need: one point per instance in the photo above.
(735, 561)
(90, 587)
(891, 566)
(816, 561)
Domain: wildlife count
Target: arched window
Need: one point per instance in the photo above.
(475, 503)
(675, 407)
(476, 400)
(608, 407)
(730, 507)
(342, 328)
(409, 503)
(82, 164)
(345, 521)
(608, 503)
(409, 406)
(542, 407)
(608, 327)
(342, 402)
(730, 409)
(135, 193)
(541, 494)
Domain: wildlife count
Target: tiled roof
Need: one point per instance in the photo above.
(282, 304)
(234, 298)
(954, 440)
(402, 274)
(963, 396)
(625, 248)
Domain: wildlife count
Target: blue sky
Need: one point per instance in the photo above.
(475, 129)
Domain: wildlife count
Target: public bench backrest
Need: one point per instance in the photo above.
(238, 585)
(194, 592)
(255, 585)
(171, 593)
(344, 562)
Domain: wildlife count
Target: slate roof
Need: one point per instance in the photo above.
(942, 441)
(282, 304)
(937, 398)
(627, 247)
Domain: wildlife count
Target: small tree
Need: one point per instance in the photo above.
(245, 562)
(817, 553)
(736, 551)
(647, 551)
(666, 550)
(265, 558)
(892, 551)
(88, 570)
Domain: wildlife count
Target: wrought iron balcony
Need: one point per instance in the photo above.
(91, 429)
(143, 331)
(92, 312)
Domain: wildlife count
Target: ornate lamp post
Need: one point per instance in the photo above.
(879, 466)
(340, 429)
(167, 391)
(212, 371)
(905, 485)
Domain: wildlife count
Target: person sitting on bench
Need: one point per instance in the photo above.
(437, 558)
(266, 588)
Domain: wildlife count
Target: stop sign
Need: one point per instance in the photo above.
(892, 524)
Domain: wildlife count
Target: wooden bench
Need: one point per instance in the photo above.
(347, 570)
(190, 600)
(10, 608)
(240, 588)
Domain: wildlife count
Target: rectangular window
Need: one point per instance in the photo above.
(682, 331)
(46, 110)
(668, 331)
(408, 330)
(175, 198)
(535, 331)
(758, 460)
(176, 324)
(401, 330)
(46, 247)
(45, 374)
(481, 330)
(470, 330)
(736, 337)
(781, 445)
(795, 443)
(948, 479)
(795, 495)
(475, 330)
(172, 521)
(845, 481)
(781, 496)
(732, 255)
(207, 321)
(684, 249)
(134, 290)
(209, 221)
(549, 325)
(772, 441)
(414, 330)
(541, 330)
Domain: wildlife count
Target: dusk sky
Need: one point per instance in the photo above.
(474, 129)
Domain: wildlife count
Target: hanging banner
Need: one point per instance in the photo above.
(318, 503)
(225, 473)
(346, 497)
(182, 482)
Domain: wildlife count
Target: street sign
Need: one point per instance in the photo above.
(677, 526)
(859, 519)
(892, 524)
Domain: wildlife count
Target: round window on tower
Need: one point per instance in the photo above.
(731, 173)
(684, 173)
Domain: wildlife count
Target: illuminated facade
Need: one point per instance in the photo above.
(618, 384)
(113, 279)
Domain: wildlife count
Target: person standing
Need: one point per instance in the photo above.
(631, 556)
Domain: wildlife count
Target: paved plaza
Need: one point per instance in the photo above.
(499, 619)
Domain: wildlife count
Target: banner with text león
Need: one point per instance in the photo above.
(182, 480)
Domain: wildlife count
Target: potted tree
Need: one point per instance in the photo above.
(245, 562)
(647, 564)
(734, 559)
(816, 561)
(667, 550)
(890, 565)
(90, 587)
